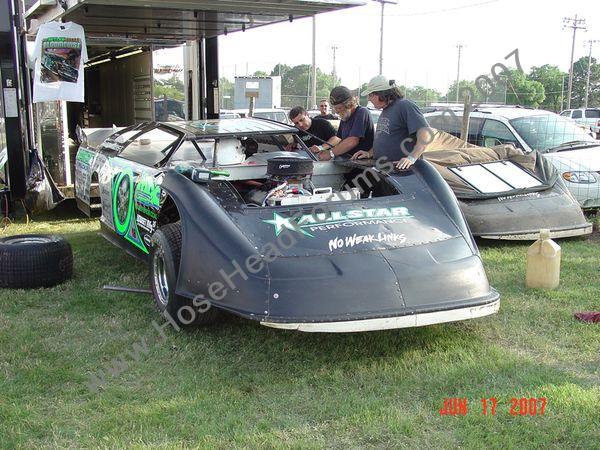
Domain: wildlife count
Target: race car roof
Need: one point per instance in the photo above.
(232, 127)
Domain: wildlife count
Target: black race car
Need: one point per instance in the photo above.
(230, 220)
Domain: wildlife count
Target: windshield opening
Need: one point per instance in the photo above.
(549, 131)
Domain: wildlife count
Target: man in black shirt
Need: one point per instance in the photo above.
(324, 111)
(315, 131)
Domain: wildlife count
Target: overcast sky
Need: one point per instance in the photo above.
(420, 39)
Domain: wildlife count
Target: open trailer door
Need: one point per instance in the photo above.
(119, 88)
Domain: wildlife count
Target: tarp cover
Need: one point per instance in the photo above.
(449, 151)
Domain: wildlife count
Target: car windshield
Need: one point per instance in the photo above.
(548, 131)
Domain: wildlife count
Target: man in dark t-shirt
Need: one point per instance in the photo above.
(356, 130)
(402, 132)
(398, 123)
(358, 124)
(324, 111)
(315, 131)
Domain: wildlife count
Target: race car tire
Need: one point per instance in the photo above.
(34, 260)
(165, 255)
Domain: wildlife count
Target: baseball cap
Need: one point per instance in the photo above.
(376, 84)
(339, 94)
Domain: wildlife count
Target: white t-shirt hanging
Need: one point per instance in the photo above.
(59, 55)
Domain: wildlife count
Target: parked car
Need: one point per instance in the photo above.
(219, 210)
(504, 193)
(276, 114)
(227, 114)
(168, 109)
(585, 116)
(574, 153)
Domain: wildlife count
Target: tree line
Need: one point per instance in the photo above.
(543, 87)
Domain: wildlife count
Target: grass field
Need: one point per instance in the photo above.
(238, 384)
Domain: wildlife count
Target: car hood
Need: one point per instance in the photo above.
(582, 159)
(349, 227)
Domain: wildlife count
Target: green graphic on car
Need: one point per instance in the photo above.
(129, 198)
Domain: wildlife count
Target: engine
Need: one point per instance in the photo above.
(289, 182)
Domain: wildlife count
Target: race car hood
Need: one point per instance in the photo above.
(386, 256)
(347, 227)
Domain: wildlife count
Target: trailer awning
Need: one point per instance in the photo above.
(173, 22)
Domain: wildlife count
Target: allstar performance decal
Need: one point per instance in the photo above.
(337, 219)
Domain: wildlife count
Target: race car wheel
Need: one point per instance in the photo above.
(164, 269)
(34, 260)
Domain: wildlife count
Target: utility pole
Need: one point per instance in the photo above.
(383, 2)
(459, 47)
(587, 81)
(575, 24)
(562, 94)
(308, 76)
(333, 74)
(314, 63)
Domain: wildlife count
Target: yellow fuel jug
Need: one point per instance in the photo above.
(543, 263)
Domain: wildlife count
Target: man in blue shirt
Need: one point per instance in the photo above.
(356, 131)
(402, 131)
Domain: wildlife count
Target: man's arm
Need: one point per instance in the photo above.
(343, 145)
(328, 145)
(361, 122)
(423, 139)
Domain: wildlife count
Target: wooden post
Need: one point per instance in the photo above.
(464, 132)
(251, 107)
(165, 110)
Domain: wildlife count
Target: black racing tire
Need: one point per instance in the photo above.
(165, 255)
(34, 260)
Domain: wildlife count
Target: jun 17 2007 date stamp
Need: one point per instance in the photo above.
(490, 406)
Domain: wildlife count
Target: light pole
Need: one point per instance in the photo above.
(459, 47)
(314, 62)
(575, 24)
(587, 81)
(333, 74)
(383, 2)
(562, 93)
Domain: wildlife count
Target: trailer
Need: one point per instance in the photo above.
(121, 37)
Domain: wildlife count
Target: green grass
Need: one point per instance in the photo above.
(242, 385)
